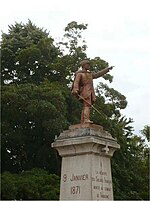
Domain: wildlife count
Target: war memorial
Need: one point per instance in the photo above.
(86, 148)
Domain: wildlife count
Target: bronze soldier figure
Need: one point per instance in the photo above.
(83, 88)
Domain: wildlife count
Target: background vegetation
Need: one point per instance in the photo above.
(37, 105)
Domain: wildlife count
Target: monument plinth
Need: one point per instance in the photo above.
(86, 150)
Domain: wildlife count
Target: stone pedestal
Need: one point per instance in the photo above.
(86, 150)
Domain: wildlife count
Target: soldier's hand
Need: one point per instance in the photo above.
(75, 93)
(111, 67)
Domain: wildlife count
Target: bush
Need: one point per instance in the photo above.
(36, 184)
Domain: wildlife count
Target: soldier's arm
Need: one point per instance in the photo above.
(102, 72)
(76, 86)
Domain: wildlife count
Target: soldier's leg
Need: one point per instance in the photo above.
(82, 116)
(85, 116)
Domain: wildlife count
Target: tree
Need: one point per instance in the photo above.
(28, 53)
(146, 132)
(31, 117)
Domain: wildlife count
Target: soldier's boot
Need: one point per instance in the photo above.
(86, 115)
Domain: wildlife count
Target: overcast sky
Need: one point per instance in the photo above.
(118, 32)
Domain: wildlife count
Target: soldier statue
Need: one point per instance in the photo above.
(83, 88)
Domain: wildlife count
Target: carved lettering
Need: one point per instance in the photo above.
(79, 177)
(96, 187)
(75, 190)
(101, 173)
(104, 196)
(107, 181)
(102, 185)
(64, 178)
(99, 179)
(107, 189)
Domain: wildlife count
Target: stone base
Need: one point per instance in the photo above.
(86, 150)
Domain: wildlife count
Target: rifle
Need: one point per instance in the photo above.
(92, 106)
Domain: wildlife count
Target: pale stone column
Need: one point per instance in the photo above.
(86, 150)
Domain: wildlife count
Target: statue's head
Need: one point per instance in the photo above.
(85, 64)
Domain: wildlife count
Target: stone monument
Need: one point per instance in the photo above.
(86, 150)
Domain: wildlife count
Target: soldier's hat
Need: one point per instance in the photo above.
(85, 61)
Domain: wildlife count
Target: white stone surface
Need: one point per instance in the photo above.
(86, 168)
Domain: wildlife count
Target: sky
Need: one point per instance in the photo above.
(118, 32)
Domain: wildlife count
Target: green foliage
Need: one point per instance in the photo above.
(73, 33)
(130, 170)
(31, 117)
(73, 48)
(146, 132)
(98, 64)
(30, 185)
(8, 185)
(27, 54)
